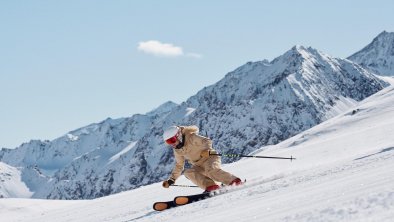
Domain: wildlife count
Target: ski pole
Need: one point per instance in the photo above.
(176, 185)
(240, 155)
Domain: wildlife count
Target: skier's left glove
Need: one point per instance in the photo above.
(168, 183)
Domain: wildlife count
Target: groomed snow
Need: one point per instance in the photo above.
(343, 172)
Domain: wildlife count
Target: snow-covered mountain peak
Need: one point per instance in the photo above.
(384, 37)
(294, 57)
(163, 108)
(298, 55)
(300, 49)
(296, 52)
(378, 56)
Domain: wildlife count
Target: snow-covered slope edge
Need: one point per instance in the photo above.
(343, 172)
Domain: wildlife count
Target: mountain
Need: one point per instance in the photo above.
(258, 104)
(378, 56)
(343, 173)
(264, 103)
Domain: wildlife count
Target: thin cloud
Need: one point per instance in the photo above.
(157, 48)
(194, 55)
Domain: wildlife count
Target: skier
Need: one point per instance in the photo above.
(196, 149)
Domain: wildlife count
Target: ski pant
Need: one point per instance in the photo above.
(209, 172)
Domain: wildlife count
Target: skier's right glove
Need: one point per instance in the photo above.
(168, 183)
(207, 153)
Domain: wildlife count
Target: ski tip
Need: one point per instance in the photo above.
(160, 206)
(181, 200)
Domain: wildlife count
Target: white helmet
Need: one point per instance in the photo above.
(170, 132)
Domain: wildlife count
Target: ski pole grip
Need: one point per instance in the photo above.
(213, 153)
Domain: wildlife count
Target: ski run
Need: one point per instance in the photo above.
(343, 172)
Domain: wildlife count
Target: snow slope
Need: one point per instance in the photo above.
(343, 172)
(11, 184)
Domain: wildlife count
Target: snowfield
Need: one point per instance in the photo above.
(344, 172)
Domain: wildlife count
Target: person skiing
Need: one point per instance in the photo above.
(196, 149)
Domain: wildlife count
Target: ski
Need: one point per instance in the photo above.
(187, 199)
(179, 201)
(160, 206)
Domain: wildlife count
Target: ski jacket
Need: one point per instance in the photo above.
(194, 144)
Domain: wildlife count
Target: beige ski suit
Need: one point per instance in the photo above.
(205, 170)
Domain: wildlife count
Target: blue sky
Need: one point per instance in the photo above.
(66, 64)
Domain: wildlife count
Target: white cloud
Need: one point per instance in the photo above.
(160, 49)
(157, 48)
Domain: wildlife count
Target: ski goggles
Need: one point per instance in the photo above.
(172, 140)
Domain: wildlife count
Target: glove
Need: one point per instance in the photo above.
(168, 183)
(207, 153)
